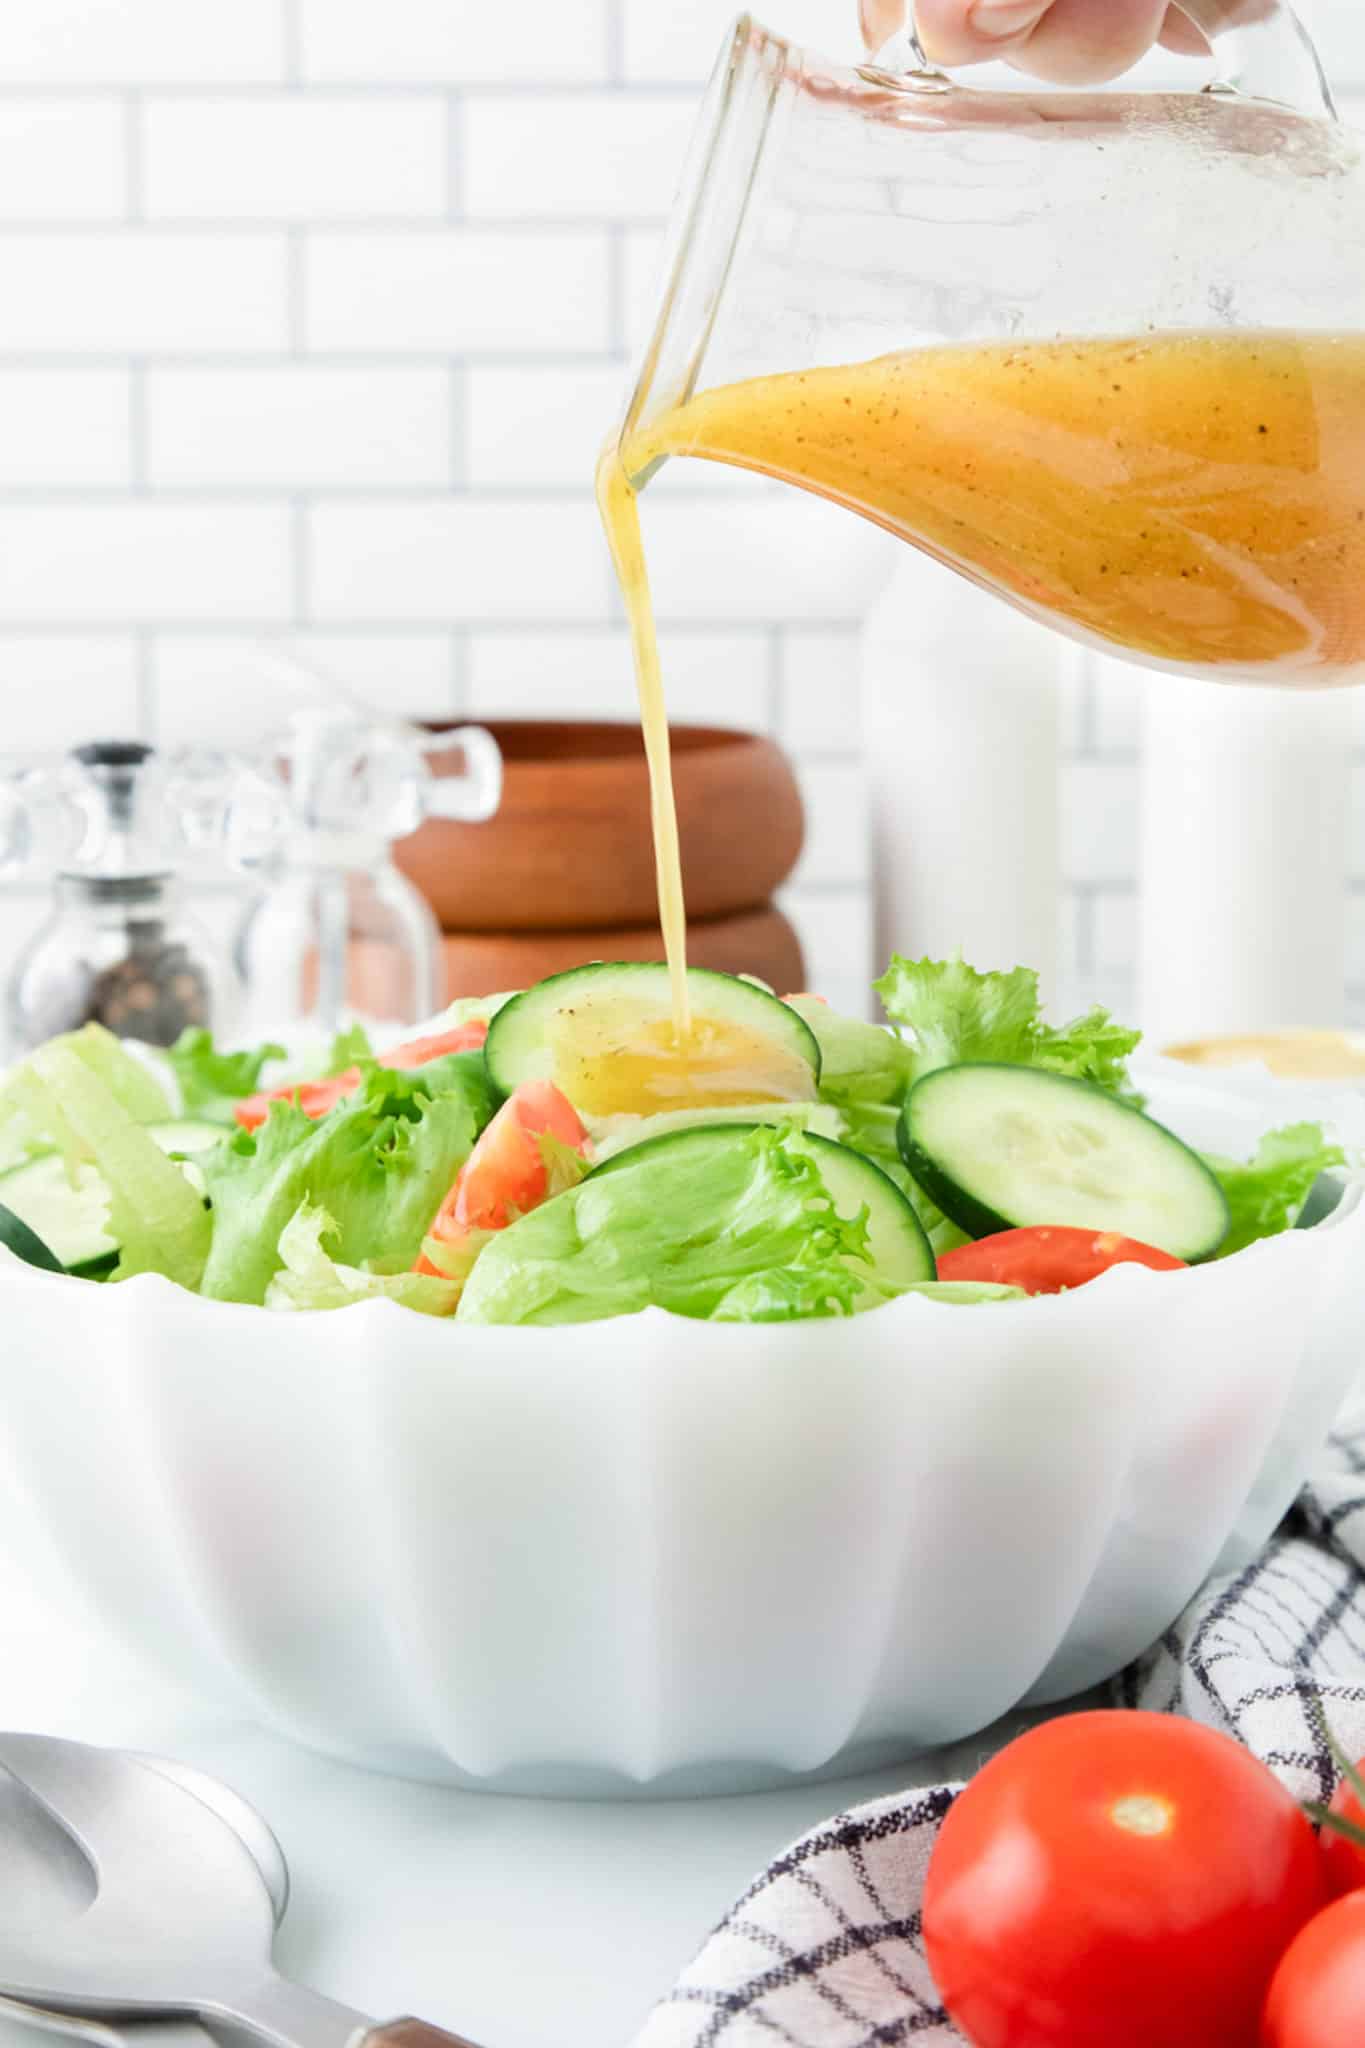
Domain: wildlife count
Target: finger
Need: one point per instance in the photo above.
(1179, 33)
(881, 20)
(1069, 41)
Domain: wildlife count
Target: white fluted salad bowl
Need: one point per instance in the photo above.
(659, 1554)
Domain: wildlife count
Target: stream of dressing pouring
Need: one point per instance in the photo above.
(619, 505)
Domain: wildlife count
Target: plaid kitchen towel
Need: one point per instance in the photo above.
(824, 1950)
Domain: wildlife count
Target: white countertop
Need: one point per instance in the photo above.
(521, 1923)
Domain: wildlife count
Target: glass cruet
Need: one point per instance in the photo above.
(834, 215)
(337, 935)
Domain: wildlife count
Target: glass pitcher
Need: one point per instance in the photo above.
(1101, 351)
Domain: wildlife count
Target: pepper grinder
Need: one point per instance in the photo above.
(119, 948)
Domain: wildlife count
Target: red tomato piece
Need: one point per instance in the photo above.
(505, 1174)
(1317, 1998)
(1344, 1859)
(1050, 1257)
(315, 1098)
(1118, 1880)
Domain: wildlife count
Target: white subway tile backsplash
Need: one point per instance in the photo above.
(642, 282)
(296, 428)
(680, 40)
(130, 291)
(1338, 30)
(130, 562)
(289, 156)
(139, 42)
(821, 710)
(68, 429)
(788, 559)
(453, 41)
(214, 691)
(452, 560)
(1114, 933)
(836, 849)
(62, 159)
(1118, 693)
(1355, 940)
(58, 689)
(835, 929)
(614, 156)
(1099, 821)
(536, 426)
(1355, 855)
(478, 289)
(407, 295)
(710, 678)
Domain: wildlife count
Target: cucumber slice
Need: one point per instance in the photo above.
(16, 1237)
(72, 1220)
(1002, 1148)
(604, 1035)
(901, 1255)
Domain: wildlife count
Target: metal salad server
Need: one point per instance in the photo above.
(180, 1923)
(269, 1859)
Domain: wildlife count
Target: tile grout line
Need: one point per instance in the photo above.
(292, 38)
(615, 29)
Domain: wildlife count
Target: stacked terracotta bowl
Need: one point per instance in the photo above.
(565, 872)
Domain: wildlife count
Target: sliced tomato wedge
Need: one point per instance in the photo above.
(505, 1174)
(1050, 1258)
(315, 1098)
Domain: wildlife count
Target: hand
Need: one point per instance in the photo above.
(1069, 41)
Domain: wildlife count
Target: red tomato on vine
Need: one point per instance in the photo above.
(1118, 1880)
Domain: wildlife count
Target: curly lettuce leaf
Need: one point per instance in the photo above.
(953, 1013)
(311, 1279)
(155, 1216)
(211, 1082)
(859, 1062)
(380, 1164)
(1266, 1193)
(748, 1231)
(347, 1049)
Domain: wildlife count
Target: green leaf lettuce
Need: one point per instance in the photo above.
(212, 1083)
(380, 1164)
(746, 1232)
(1266, 1193)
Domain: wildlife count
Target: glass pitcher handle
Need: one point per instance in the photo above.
(1271, 55)
(471, 798)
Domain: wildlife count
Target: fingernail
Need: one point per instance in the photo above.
(997, 21)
